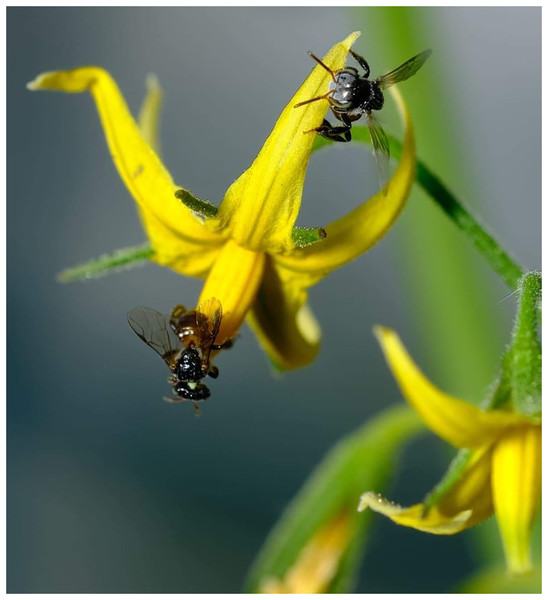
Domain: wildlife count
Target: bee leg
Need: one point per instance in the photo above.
(335, 134)
(224, 346)
(178, 400)
(213, 372)
(174, 400)
(362, 62)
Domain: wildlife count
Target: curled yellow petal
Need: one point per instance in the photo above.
(516, 492)
(261, 206)
(455, 421)
(172, 229)
(412, 516)
(318, 562)
(283, 323)
(234, 280)
(363, 227)
(469, 502)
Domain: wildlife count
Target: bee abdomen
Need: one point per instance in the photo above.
(376, 98)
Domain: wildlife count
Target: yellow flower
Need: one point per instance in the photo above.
(502, 475)
(317, 563)
(253, 258)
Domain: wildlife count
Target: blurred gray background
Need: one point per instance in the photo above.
(113, 490)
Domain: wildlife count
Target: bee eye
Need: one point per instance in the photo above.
(342, 99)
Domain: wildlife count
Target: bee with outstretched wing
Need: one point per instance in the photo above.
(184, 340)
(352, 95)
(155, 330)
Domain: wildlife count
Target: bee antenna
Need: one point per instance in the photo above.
(323, 97)
(313, 56)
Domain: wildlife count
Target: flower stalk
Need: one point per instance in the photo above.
(526, 353)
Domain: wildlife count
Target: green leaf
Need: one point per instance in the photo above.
(526, 353)
(498, 259)
(362, 460)
(119, 259)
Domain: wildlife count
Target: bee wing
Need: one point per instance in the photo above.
(381, 151)
(209, 314)
(176, 316)
(403, 72)
(154, 329)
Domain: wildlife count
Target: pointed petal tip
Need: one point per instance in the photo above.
(354, 35)
(152, 83)
(376, 501)
(308, 325)
(384, 336)
(380, 331)
(36, 83)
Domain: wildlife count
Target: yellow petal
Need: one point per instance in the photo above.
(455, 421)
(318, 562)
(234, 281)
(363, 227)
(516, 492)
(283, 323)
(469, 502)
(172, 229)
(149, 116)
(261, 206)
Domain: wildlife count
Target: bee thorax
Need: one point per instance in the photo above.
(189, 366)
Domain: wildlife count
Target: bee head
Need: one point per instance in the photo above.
(192, 391)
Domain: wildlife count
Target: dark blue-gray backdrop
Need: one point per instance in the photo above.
(111, 489)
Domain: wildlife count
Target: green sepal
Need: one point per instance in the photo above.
(499, 395)
(306, 236)
(202, 207)
(498, 259)
(454, 472)
(119, 259)
(362, 460)
(526, 353)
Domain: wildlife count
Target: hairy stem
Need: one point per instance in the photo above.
(124, 257)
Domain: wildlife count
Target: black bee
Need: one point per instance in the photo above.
(352, 95)
(185, 341)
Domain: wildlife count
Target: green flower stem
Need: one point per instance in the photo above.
(526, 353)
(122, 258)
(498, 259)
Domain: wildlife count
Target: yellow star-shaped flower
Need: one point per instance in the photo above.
(502, 475)
(254, 259)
